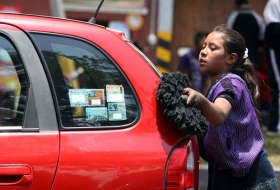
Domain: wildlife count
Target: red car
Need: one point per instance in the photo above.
(80, 112)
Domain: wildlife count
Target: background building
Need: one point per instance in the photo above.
(159, 27)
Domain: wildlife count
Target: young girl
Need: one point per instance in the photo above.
(233, 144)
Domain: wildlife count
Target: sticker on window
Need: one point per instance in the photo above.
(115, 93)
(78, 97)
(86, 97)
(96, 97)
(117, 111)
(94, 114)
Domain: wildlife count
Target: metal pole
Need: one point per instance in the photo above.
(152, 38)
(57, 8)
(153, 17)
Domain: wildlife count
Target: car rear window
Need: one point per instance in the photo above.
(91, 90)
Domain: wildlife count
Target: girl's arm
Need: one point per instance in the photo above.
(215, 113)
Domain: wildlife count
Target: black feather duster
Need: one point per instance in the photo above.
(187, 118)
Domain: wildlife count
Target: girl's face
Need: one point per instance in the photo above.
(213, 58)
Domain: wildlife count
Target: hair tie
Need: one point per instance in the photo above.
(245, 56)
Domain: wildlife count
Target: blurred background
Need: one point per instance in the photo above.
(162, 29)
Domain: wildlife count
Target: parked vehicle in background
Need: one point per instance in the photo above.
(103, 129)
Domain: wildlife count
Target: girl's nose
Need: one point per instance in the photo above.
(202, 52)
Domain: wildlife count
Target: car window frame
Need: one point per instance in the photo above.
(34, 106)
(53, 91)
(10, 39)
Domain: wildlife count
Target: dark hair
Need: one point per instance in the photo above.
(235, 43)
(240, 2)
(198, 36)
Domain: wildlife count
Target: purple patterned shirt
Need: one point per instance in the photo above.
(241, 127)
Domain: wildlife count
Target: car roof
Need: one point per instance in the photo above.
(41, 23)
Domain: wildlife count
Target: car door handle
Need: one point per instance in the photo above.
(15, 175)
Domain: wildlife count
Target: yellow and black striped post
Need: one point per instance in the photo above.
(163, 51)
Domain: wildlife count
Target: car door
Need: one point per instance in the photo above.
(29, 135)
(109, 140)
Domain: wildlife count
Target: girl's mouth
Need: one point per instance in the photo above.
(202, 61)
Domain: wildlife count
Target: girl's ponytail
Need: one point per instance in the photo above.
(235, 43)
(247, 72)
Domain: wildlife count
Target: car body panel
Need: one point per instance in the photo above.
(21, 150)
(132, 157)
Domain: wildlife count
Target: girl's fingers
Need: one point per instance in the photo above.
(186, 91)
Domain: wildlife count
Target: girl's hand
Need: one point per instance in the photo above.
(194, 97)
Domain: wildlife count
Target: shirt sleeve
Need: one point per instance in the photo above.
(230, 89)
(271, 11)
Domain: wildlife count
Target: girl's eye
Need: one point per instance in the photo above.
(212, 47)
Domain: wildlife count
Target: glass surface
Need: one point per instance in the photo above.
(13, 85)
(90, 89)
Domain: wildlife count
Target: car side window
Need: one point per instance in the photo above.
(91, 90)
(13, 85)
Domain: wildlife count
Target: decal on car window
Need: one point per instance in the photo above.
(117, 111)
(115, 93)
(94, 114)
(96, 97)
(86, 97)
(78, 97)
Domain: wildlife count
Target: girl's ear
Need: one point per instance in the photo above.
(232, 58)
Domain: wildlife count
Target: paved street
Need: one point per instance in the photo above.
(203, 176)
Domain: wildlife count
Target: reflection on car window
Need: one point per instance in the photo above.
(13, 85)
(91, 91)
